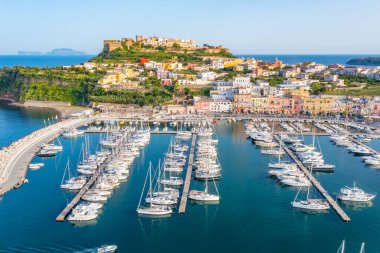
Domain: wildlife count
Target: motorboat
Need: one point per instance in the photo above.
(46, 153)
(354, 194)
(35, 166)
(106, 249)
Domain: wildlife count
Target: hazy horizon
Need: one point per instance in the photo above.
(246, 27)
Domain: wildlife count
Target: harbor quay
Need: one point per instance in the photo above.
(15, 158)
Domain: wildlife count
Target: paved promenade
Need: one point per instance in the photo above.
(15, 158)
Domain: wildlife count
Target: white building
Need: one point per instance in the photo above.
(331, 78)
(221, 90)
(208, 76)
(220, 106)
(89, 65)
(217, 64)
(294, 84)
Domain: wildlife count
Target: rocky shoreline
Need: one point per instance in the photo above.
(62, 108)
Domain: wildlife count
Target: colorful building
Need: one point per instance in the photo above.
(232, 63)
(318, 105)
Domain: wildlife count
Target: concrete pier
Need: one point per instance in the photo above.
(315, 182)
(186, 187)
(16, 161)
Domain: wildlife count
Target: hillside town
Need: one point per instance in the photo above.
(241, 85)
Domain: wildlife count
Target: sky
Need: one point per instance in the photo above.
(244, 26)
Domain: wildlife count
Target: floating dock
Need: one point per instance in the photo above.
(362, 144)
(315, 182)
(62, 216)
(186, 187)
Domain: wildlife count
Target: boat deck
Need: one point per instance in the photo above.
(362, 144)
(315, 182)
(186, 187)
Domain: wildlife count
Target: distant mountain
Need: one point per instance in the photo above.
(29, 53)
(65, 51)
(58, 51)
(366, 61)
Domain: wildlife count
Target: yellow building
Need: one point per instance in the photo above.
(112, 78)
(172, 66)
(259, 104)
(318, 105)
(129, 73)
(190, 77)
(232, 63)
(297, 92)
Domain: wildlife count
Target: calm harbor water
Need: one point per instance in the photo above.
(254, 214)
(17, 122)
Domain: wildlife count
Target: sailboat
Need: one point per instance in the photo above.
(310, 204)
(151, 209)
(72, 183)
(53, 147)
(204, 196)
(161, 198)
(342, 247)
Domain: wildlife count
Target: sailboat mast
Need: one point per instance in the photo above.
(142, 192)
(362, 250)
(150, 182)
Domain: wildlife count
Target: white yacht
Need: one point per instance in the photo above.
(310, 204)
(296, 181)
(151, 209)
(35, 166)
(204, 196)
(355, 194)
(106, 249)
(72, 182)
(172, 181)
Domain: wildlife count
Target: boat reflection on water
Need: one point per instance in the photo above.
(161, 217)
(308, 211)
(80, 224)
(356, 205)
(203, 203)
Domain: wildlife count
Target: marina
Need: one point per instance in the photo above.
(315, 182)
(244, 177)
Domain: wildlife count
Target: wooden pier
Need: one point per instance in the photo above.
(186, 187)
(315, 182)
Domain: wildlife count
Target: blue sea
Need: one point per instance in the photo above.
(254, 214)
(319, 58)
(42, 60)
(53, 61)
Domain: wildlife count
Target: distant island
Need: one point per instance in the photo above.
(58, 51)
(366, 61)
